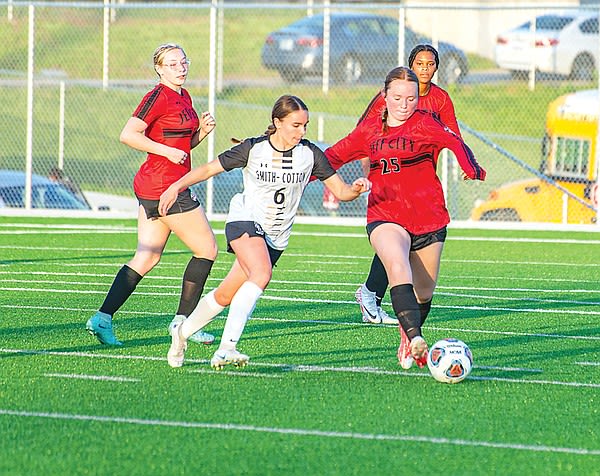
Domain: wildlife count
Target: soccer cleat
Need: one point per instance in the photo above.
(176, 354)
(418, 350)
(385, 317)
(221, 358)
(368, 305)
(199, 337)
(100, 326)
(405, 358)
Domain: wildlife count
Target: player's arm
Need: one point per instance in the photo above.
(197, 174)
(466, 158)
(133, 136)
(346, 192)
(448, 116)
(207, 124)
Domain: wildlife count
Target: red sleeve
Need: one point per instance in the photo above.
(352, 147)
(448, 116)
(450, 140)
(152, 106)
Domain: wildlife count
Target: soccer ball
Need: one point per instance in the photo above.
(450, 360)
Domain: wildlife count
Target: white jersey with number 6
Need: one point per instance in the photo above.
(274, 181)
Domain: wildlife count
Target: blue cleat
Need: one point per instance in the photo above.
(198, 337)
(100, 325)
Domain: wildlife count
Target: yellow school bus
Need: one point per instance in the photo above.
(568, 165)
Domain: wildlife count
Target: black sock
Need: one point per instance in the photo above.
(194, 279)
(122, 287)
(424, 307)
(406, 309)
(377, 280)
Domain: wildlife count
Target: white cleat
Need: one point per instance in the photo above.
(385, 317)
(368, 305)
(176, 354)
(221, 358)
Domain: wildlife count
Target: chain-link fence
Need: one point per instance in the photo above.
(72, 74)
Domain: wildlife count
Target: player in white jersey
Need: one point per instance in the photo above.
(276, 169)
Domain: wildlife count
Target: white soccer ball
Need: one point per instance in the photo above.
(450, 360)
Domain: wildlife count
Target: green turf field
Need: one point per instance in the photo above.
(322, 394)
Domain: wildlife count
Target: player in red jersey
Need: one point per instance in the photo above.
(406, 211)
(166, 127)
(424, 61)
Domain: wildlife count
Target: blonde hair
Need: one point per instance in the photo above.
(162, 50)
(283, 107)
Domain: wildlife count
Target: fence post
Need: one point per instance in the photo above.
(29, 146)
(212, 97)
(61, 127)
(326, 46)
(105, 43)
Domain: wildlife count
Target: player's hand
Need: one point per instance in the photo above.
(207, 122)
(361, 185)
(167, 199)
(177, 156)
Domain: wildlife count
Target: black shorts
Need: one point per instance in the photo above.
(417, 242)
(236, 229)
(185, 202)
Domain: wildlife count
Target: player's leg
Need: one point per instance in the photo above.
(152, 238)
(369, 294)
(193, 229)
(392, 243)
(213, 302)
(253, 257)
(425, 262)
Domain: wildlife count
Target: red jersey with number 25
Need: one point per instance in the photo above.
(173, 121)
(405, 188)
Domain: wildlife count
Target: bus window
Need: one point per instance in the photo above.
(572, 157)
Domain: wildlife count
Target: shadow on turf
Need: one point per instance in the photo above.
(61, 259)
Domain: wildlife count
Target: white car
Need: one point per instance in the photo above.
(564, 43)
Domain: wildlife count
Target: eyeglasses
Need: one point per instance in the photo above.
(175, 66)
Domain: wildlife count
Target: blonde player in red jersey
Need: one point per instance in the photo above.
(424, 61)
(406, 211)
(166, 127)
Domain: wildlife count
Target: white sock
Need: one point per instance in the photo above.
(240, 309)
(206, 310)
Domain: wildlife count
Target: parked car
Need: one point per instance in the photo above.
(44, 193)
(227, 184)
(564, 43)
(360, 45)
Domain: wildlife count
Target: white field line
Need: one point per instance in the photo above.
(21, 307)
(94, 377)
(284, 368)
(272, 289)
(436, 440)
(360, 273)
(266, 297)
(61, 228)
(331, 291)
(236, 373)
(594, 364)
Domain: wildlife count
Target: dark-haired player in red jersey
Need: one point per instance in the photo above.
(424, 61)
(166, 127)
(406, 211)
